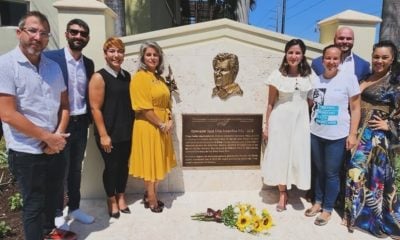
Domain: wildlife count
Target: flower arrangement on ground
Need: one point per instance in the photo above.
(241, 216)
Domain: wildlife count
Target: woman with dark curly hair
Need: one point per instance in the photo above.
(373, 174)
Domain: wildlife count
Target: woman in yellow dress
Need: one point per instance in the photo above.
(152, 155)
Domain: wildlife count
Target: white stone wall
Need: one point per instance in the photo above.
(193, 71)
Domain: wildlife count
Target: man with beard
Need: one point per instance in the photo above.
(351, 63)
(77, 70)
(34, 111)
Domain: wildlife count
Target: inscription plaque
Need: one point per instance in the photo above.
(221, 139)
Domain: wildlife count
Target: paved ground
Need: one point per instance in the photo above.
(174, 222)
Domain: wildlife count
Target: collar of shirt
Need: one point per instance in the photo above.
(21, 58)
(349, 58)
(70, 58)
(113, 72)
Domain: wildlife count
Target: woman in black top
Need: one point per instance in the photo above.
(113, 117)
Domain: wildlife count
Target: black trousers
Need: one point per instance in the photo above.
(39, 178)
(115, 174)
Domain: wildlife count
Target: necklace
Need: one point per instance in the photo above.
(295, 76)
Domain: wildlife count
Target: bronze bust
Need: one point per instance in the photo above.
(226, 68)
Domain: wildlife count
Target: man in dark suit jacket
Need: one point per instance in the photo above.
(77, 70)
(344, 38)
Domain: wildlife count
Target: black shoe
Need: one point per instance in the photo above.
(147, 204)
(157, 209)
(126, 210)
(114, 215)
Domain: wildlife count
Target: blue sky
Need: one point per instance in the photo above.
(302, 16)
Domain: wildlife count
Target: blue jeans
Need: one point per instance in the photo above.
(72, 156)
(39, 179)
(327, 156)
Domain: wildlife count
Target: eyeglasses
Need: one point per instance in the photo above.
(33, 31)
(75, 32)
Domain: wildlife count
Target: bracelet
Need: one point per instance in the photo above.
(162, 126)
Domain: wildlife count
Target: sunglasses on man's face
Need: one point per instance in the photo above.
(75, 32)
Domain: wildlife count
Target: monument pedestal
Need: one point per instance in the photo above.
(206, 180)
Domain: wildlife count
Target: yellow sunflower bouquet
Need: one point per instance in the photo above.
(241, 216)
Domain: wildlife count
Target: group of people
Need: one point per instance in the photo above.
(48, 100)
(337, 118)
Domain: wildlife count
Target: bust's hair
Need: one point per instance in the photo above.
(155, 46)
(233, 62)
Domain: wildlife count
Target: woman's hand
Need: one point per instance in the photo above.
(265, 134)
(169, 127)
(378, 124)
(105, 142)
(351, 141)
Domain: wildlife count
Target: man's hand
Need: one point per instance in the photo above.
(54, 142)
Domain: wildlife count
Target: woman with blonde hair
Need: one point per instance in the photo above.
(152, 154)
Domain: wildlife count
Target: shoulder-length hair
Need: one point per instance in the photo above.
(155, 46)
(303, 68)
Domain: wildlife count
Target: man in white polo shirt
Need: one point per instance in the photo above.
(34, 112)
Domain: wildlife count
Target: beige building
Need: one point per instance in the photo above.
(141, 16)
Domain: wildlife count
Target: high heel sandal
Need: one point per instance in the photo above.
(147, 204)
(280, 208)
(157, 209)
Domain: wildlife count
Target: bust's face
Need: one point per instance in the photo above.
(223, 74)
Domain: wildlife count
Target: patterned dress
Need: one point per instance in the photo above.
(373, 173)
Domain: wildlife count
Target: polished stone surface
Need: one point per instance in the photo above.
(174, 222)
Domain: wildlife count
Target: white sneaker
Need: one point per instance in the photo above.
(59, 221)
(65, 226)
(81, 216)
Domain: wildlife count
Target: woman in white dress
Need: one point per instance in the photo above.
(287, 155)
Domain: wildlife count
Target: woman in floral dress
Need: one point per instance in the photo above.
(373, 172)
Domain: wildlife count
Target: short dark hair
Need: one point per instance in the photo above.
(42, 18)
(80, 23)
(304, 68)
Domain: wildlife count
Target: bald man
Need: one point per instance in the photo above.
(344, 38)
